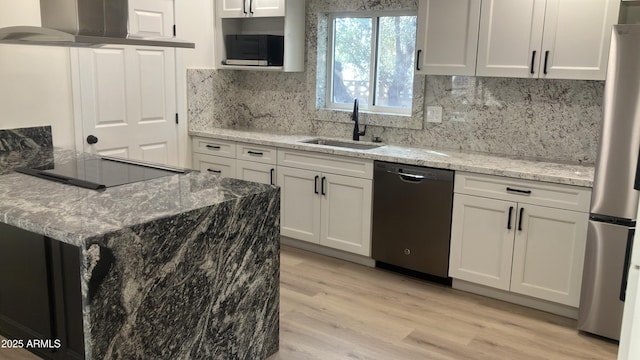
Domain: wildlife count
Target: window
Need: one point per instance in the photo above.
(371, 58)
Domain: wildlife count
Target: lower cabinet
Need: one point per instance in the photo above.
(325, 208)
(40, 296)
(223, 166)
(517, 245)
(256, 172)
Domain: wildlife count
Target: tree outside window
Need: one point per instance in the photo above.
(372, 59)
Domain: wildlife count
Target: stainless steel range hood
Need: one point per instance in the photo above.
(83, 23)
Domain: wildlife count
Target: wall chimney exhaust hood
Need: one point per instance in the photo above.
(83, 23)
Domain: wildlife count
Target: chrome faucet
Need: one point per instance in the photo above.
(354, 117)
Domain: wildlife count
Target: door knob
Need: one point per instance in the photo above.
(91, 139)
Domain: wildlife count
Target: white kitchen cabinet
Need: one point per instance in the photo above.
(447, 37)
(326, 200)
(219, 165)
(268, 17)
(215, 156)
(299, 204)
(520, 236)
(250, 8)
(151, 18)
(548, 253)
(559, 39)
(482, 240)
(256, 163)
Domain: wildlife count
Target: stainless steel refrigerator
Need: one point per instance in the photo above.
(614, 201)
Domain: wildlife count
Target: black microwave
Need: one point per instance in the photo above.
(257, 50)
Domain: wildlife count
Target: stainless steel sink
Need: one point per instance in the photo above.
(342, 144)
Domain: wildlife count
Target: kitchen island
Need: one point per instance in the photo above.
(182, 266)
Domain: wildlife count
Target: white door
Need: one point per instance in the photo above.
(510, 38)
(218, 165)
(151, 18)
(299, 203)
(548, 253)
(447, 38)
(232, 8)
(266, 8)
(576, 43)
(128, 102)
(346, 213)
(482, 233)
(256, 172)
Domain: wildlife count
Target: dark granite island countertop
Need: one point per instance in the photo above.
(189, 263)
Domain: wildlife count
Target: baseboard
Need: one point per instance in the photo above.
(323, 250)
(551, 307)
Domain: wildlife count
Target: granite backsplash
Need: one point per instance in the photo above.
(555, 120)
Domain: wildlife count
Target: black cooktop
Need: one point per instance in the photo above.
(99, 172)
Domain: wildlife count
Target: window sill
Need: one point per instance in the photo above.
(403, 121)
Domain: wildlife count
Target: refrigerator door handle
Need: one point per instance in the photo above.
(636, 184)
(627, 261)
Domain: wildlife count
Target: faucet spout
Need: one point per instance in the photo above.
(356, 128)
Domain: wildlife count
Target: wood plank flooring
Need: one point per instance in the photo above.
(333, 309)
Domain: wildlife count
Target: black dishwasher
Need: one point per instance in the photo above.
(412, 218)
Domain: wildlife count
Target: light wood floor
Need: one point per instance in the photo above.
(332, 309)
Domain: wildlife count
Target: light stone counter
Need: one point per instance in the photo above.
(559, 173)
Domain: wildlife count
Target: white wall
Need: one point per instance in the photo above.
(35, 83)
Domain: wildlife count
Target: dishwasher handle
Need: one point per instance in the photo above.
(411, 177)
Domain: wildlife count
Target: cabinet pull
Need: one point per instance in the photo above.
(214, 171)
(509, 220)
(418, 59)
(520, 220)
(322, 186)
(315, 184)
(244, 6)
(213, 147)
(526, 192)
(256, 153)
(546, 59)
(250, 6)
(533, 61)
(271, 172)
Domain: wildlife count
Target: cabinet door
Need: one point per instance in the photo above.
(510, 38)
(232, 8)
(215, 164)
(151, 18)
(299, 203)
(257, 172)
(576, 43)
(548, 253)
(482, 240)
(346, 213)
(447, 37)
(266, 8)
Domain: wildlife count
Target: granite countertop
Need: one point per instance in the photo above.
(72, 214)
(549, 171)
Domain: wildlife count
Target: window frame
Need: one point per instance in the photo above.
(373, 68)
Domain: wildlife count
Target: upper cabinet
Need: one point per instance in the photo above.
(284, 18)
(250, 8)
(151, 18)
(447, 38)
(556, 39)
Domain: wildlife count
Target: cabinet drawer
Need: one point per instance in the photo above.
(215, 164)
(214, 147)
(525, 191)
(257, 153)
(341, 165)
